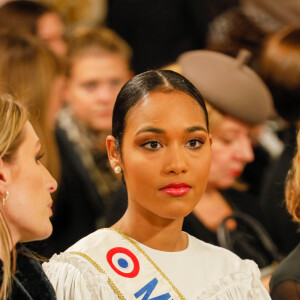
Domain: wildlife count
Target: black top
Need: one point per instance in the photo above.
(30, 282)
(285, 282)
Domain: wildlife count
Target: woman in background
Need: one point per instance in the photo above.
(280, 68)
(285, 282)
(97, 66)
(238, 103)
(25, 205)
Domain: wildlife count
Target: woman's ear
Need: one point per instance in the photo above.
(113, 152)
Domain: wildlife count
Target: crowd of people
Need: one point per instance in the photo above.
(150, 158)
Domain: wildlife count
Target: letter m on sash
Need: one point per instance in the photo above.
(148, 289)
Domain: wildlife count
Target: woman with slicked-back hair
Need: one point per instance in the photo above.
(161, 145)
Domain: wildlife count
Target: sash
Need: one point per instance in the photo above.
(131, 273)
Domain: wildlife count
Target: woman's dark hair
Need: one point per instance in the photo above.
(143, 84)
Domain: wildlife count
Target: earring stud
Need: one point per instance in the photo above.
(4, 198)
(117, 169)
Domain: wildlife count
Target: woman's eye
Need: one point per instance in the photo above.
(152, 145)
(195, 143)
(90, 85)
(115, 83)
(226, 141)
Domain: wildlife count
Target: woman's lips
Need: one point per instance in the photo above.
(235, 173)
(176, 189)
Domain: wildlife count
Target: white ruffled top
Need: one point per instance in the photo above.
(201, 271)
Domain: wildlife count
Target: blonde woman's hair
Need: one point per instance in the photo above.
(292, 188)
(94, 41)
(28, 70)
(13, 117)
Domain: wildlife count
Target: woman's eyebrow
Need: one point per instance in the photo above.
(161, 131)
(150, 129)
(196, 128)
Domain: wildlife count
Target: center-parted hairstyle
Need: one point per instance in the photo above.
(143, 84)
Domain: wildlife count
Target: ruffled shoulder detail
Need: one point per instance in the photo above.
(74, 277)
(244, 284)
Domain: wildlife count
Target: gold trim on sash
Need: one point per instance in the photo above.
(110, 282)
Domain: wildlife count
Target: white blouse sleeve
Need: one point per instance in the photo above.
(74, 278)
(242, 285)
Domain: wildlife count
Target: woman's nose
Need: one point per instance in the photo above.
(51, 183)
(245, 151)
(175, 161)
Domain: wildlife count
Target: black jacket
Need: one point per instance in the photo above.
(30, 283)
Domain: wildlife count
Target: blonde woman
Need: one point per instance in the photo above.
(25, 205)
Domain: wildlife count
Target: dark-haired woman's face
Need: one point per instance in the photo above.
(166, 154)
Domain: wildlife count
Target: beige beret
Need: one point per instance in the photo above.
(228, 84)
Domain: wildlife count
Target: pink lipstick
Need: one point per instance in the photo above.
(235, 173)
(176, 189)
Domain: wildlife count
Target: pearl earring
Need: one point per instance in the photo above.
(117, 169)
(4, 198)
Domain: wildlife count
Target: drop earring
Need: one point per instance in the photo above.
(4, 198)
(117, 169)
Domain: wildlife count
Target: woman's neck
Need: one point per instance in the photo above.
(153, 231)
